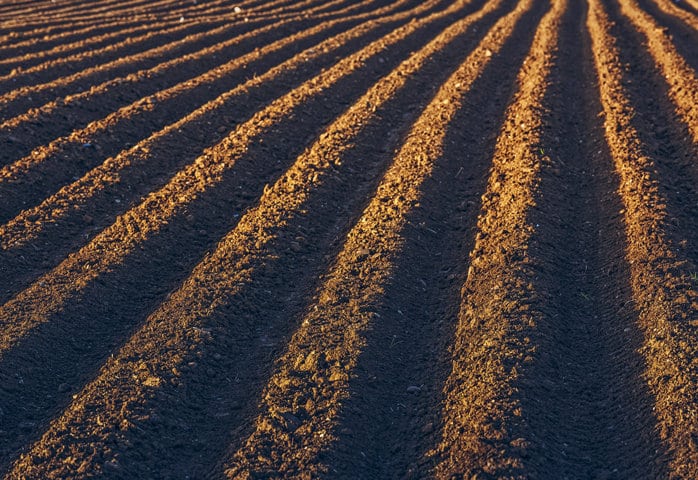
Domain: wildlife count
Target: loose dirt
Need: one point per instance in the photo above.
(374, 239)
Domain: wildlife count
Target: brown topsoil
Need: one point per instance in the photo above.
(374, 239)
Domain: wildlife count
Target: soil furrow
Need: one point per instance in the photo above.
(32, 11)
(89, 339)
(91, 51)
(45, 82)
(13, 7)
(23, 28)
(49, 11)
(228, 12)
(588, 409)
(54, 35)
(301, 404)
(680, 77)
(349, 239)
(58, 21)
(29, 21)
(390, 421)
(224, 7)
(57, 36)
(11, 45)
(63, 115)
(33, 178)
(484, 432)
(37, 92)
(31, 57)
(690, 6)
(670, 13)
(113, 180)
(247, 246)
(662, 288)
(49, 70)
(113, 7)
(663, 133)
(25, 130)
(56, 11)
(158, 212)
(166, 6)
(152, 215)
(50, 37)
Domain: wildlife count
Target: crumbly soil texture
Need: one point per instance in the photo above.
(349, 239)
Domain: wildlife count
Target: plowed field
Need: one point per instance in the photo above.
(349, 239)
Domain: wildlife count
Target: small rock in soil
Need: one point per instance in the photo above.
(414, 389)
(289, 421)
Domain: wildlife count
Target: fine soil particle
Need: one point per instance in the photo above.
(349, 239)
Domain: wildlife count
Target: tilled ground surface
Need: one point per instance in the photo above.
(349, 239)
